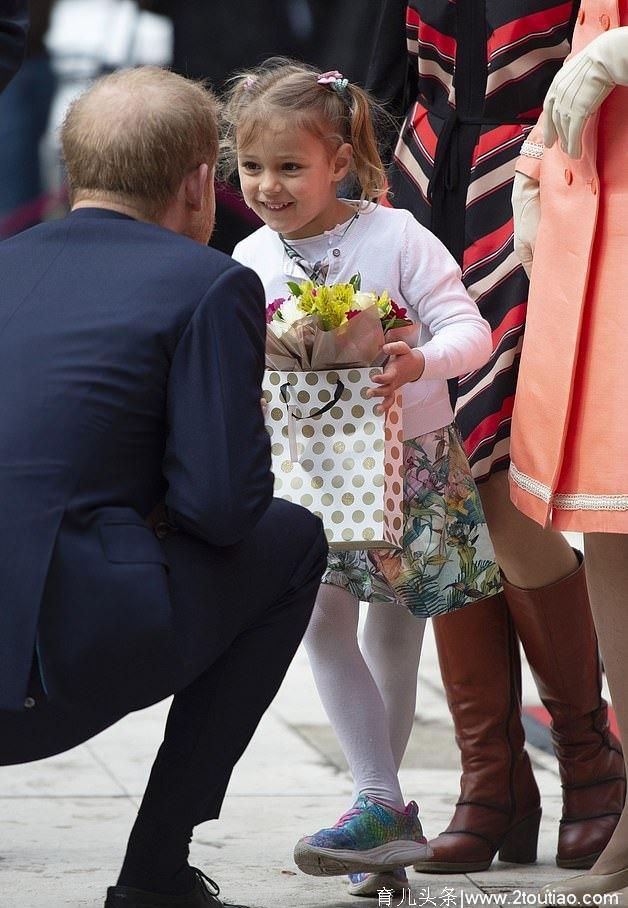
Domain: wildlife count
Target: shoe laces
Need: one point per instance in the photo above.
(411, 810)
(212, 888)
(349, 815)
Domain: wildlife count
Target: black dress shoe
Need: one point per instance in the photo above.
(203, 895)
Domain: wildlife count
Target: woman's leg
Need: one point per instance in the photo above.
(607, 575)
(350, 695)
(555, 625)
(528, 554)
(391, 644)
(499, 806)
(545, 591)
(547, 597)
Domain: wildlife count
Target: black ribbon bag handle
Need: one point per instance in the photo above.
(295, 413)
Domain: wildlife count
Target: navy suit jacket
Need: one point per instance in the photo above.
(131, 362)
(13, 27)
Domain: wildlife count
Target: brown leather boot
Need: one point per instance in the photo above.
(555, 626)
(499, 807)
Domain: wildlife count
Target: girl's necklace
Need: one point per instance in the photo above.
(314, 271)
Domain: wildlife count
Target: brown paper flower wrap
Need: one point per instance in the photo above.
(306, 347)
(326, 327)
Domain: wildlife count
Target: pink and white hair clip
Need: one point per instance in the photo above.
(334, 79)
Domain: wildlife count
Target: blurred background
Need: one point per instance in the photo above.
(72, 42)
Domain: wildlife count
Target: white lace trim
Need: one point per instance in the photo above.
(533, 486)
(568, 501)
(577, 502)
(532, 149)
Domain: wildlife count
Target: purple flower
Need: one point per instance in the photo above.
(273, 307)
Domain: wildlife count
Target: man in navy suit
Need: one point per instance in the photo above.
(131, 359)
(13, 26)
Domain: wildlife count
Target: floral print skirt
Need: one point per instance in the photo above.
(447, 560)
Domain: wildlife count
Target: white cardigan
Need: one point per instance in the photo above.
(393, 252)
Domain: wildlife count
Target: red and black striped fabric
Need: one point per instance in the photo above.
(480, 71)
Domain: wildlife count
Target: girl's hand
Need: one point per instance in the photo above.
(405, 364)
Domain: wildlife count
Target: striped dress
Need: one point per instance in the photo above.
(477, 75)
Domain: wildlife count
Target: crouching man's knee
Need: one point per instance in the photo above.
(302, 537)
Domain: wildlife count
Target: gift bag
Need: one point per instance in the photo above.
(333, 454)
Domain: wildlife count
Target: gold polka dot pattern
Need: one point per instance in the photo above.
(349, 466)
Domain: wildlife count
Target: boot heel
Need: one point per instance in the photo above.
(519, 845)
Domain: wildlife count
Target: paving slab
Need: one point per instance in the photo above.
(62, 851)
(64, 821)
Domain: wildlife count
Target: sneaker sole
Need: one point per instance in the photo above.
(337, 862)
(372, 886)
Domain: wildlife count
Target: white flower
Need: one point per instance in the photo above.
(364, 300)
(278, 327)
(290, 311)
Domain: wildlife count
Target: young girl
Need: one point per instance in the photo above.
(296, 136)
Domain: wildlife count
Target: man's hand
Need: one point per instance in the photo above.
(405, 364)
(526, 209)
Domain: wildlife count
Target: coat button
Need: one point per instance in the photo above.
(29, 703)
(162, 529)
(605, 21)
(581, 17)
(568, 177)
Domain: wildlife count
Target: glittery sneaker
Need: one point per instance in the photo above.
(371, 884)
(370, 837)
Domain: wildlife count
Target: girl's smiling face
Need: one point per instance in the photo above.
(289, 179)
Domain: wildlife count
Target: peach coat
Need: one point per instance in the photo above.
(569, 454)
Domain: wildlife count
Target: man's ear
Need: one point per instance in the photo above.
(342, 162)
(195, 184)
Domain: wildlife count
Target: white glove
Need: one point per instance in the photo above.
(580, 87)
(526, 209)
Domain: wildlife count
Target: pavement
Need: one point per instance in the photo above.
(64, 821)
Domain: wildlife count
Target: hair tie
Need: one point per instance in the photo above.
(335, 80)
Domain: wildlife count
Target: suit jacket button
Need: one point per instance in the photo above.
(161, 530)
(605, 21)
(335, 252)
(593, 186)
(29, 703)
(568, 177)
(581, 17)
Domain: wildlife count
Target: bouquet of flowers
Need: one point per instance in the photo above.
(318, 327)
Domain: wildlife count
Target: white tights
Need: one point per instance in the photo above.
(369, 694)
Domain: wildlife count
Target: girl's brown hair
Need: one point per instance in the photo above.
(286, 87)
